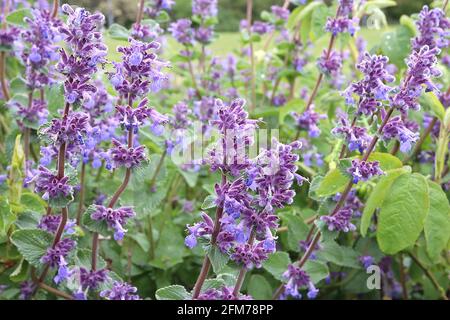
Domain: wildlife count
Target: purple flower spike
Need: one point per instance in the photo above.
(309, 120)
(296, 279)
(224, 293)
(330, 64)
(433, 26)
(340, 221)
(182, 31)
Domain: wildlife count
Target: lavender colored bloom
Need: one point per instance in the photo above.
(364, 170)
(140, 70)
(8, 36)
(341, 25)
(434, 28)
(35, 114)
(421, 69)
(132, 118)
(371, 87)
(115, 218)
(396, 129)
(68, 130)
(366, 261)
(280, 12)
(181, 113)
(261, 28)
(51, 185)
(296, 279)
(182, 31)
(56, 257)
(26, 290)
(204, 34)
(331, 63)
(355, 137)
(122, 155)
(91, 279)
(204, 8)
(223, 293)
(154, 7)
(250, 255)
(50, 223)
(199, 229)
(309, 120)
(341, 221)
(120, 291)
(145, 32)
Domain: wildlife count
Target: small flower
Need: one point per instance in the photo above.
(199, 229)
(50, 223)
(223, 293)
(296, 279)
(68, 130)
(364, 170)
(396, 128)
(115, 218)
(340, 221)
(366, 261)
(56, 257)
(120, 291)
(250, 255)
(122, 155)
(329, 63)
(309, 120)
(91, 279)
(51, 185)
(182, 31)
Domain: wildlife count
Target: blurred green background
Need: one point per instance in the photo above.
(230, 11)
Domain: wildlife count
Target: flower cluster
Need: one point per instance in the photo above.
(342, 22)
(199, 229)
(154, 7)
(372, 87)
(204, 8)
(51, 185)
(355, 137)
(396, 128)
(140, 70)
(50, 224)
(68, 130)
(364, 170)
(433, 27)
(341, 221)
(223, 293)
(120, 291)
(115, 218)
(128, 157)
(56, 257)
(295, 280)
(182, 31)
(308, 120)
(35, 114)
(131, 119)
(329, 62)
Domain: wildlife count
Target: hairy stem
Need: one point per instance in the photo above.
(140, 12)
(243, 271)
(82, 190)
(55, 8)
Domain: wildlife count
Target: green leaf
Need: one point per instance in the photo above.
(17, 17)
(339, 255)
(319, 18)
(116, 31)
(277, 264)
(33, 202)
(142, 240)
(437, 223)
(7, 217)
(212, 283)
(190, 177)
(170, 249)
(16, 172)
(55, 99)
(333, 182)
(218, 259)
(297, 229)
(60, 201)
(209, 202)
(396, 45)
(377, 196)
(84, 259)
(175, 292)
(21, 272)
(259, 288)
(432, 103)
(403, 213)
(387, 161)
(302, 14)
(316, 270)
(99, 226)
(32, 244)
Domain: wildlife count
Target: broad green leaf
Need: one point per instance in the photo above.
(84, 259)
(377, 196)
(17, 17)
(333, 182)
(437, 223)
(212, 283)
(218, 259)
(316, 270)
(403, 213)
(20, 273)
(170, 249)
(305, 12)
(33, 202)
(259, 288)
(32, 244)
(55, 99)
(319, 18)
(141, 239)
(339, 255)
(277, 264)
(409, 23)
(175, 292)
(16, 172)
(209, 202)
(387, 160)
(297, 229)
(396, 45)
